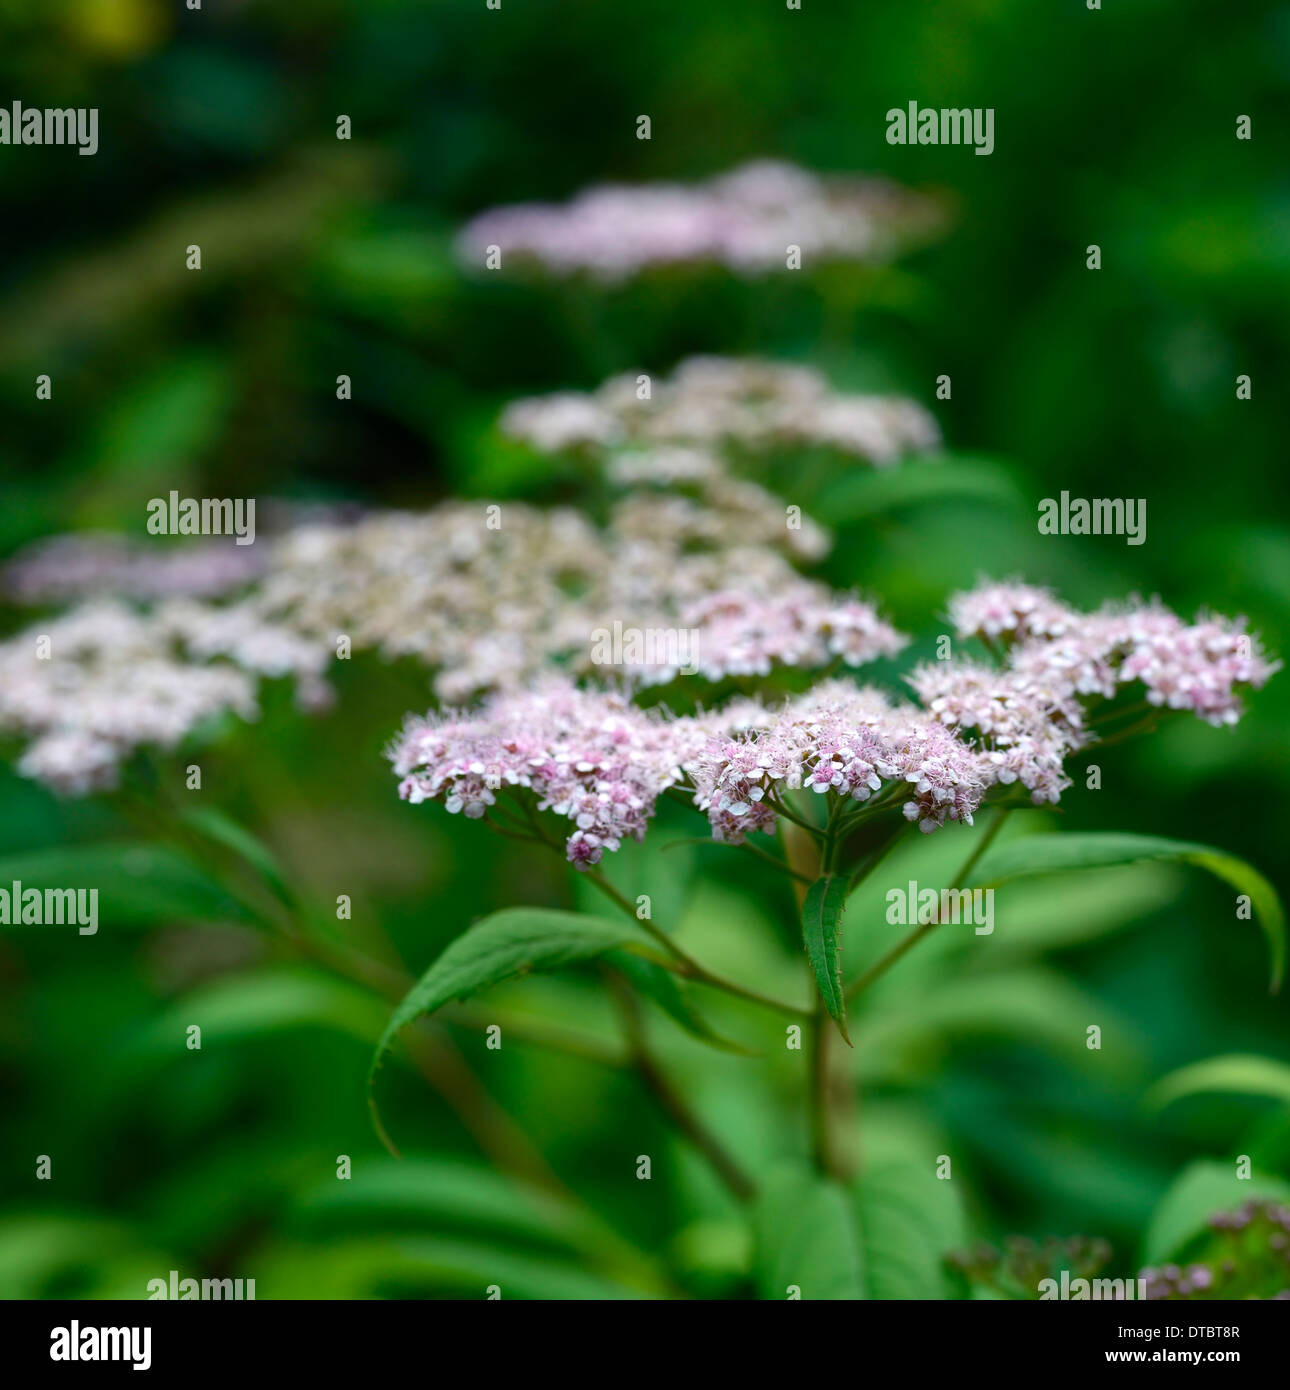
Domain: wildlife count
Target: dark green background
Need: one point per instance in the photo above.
(1115, 127)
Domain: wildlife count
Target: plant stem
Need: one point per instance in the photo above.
(818, 1094)
(1137, 707)
(536, 1032)
(687, 965)
(926, 928)
(751, 848)
(669, 1098)
(770, 859)
(788, 814)
(655, 1079)
(433, 1054)
(873, 859)
(811, 854)
(1129, 731)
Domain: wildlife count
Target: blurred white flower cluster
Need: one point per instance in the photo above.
(719, 402)
(514, 602)
(68, 567)
(744, 220)
(495, 608)
(488, 597)
(87, 689)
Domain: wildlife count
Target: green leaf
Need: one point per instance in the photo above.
(863, 493)
(674, 999)
(805, 1239)
(161, 423)
(509, 943)
(1066, 853)
(516, 1273)
(883, 1237)
(1240, 1073)
(437, 1193)
(267, 1002)
(1036, 1007)
(908, 1221)
(139, 885)
(1199, 1191)
(215, 825)
(78, 1255)
(1038, 917)
(419, 1266)
(389, 272)
(826, 899)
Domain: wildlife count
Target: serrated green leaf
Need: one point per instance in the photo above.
(1067, 853)
(509, 943)
(826, 900)
(1240, 1073)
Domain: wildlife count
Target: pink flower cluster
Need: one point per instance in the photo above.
(1026, 726)
(588, 756)
(744, 634)
(837, 738)
(602, 763)
(1008, 611)
(1185, 666)
(1029, 713)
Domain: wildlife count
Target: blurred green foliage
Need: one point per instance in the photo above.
(320, 257)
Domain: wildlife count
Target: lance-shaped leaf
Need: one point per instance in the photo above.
(509, 943)
(821, 928)
(1066, 853)
(1235, 1073)
(864, 493)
